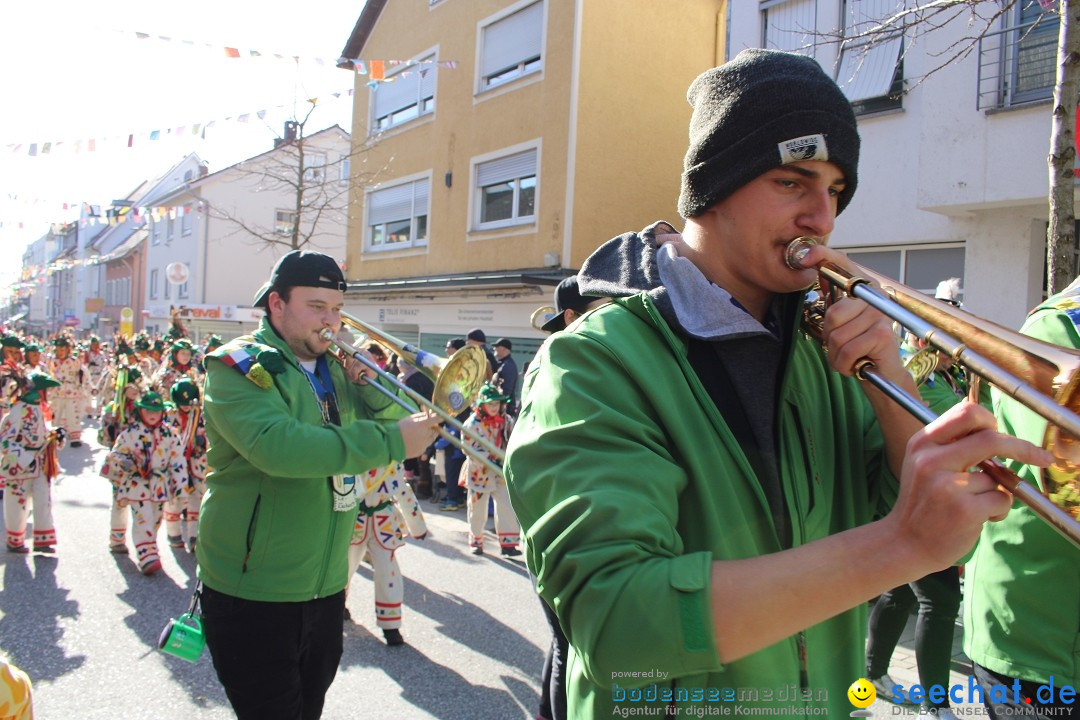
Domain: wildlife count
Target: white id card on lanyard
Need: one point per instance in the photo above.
(344, 487)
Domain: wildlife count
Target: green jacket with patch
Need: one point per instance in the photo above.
(629, 484)
(267, 529)
(1022, 586)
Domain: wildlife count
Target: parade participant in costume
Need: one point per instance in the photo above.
(67, 400)
(185, 498)
(96, 363)
(10, 369)
(16, 693)
(1022, 586)
(146, 458)
(116, 416)
(489, 422)
(696, 477)
(34, 361)
(385, 515)
(28, 465)
(288, 433)
(143, 357)
(177, 366)
(212, 343)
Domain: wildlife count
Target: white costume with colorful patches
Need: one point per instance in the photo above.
(23, 449)
(385, 515)
(66, 401)
(482, 484)
(185, 495)
(141, 465)
(97, 368)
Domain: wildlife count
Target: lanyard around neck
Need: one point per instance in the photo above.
(323, 386)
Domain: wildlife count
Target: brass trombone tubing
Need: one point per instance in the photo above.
(342, 348)
(1058, 518)
(424, 365)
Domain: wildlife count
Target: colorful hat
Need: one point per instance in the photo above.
(213, 342)
(32, 347)
(133, 375)
(184, 392)
(142, 342)
(94, 339)
(182, 344)
(61, 341)
(490, 393)
(150, 400)
(11, 341)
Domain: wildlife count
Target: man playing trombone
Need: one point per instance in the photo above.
(695, 479)
(288, 432)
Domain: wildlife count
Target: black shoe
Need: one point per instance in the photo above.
(478, 551)
(76, 443)
(346, 615)
(510, 552)
(393, 637)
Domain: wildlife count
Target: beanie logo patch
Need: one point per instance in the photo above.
(807, 147)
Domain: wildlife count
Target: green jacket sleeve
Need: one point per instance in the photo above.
(597, 490)
(280, 430)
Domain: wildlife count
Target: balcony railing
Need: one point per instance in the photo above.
(1017, 65)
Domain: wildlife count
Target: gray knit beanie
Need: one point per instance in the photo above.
(762, 110)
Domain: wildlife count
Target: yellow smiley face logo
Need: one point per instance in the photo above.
(861, 693)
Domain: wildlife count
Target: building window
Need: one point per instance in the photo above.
(506, 190)
(346, 166)
(789, 25)
(284, 222)
(511, 45)
(1017, 64)
(408, 94)
(918, 267)
(397, 216)
(170, 232)
(182, 291)
(314, 167)
(153, 284)
(167, 289)
(186, 220)
(871, 71)
(155, 231)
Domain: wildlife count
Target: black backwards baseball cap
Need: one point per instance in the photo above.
(301, 268)
(567, 297)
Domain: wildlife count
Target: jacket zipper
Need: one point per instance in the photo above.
(251, 532)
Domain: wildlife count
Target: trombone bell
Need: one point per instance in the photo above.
(457, 379)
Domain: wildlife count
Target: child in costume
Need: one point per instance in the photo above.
(67, 401)
(185, 498)
(119, 412)
(489, 422)
(178, 366)
(28, 464)
(384, 515)
(146, 457)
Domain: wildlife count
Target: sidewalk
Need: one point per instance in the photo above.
(904, 670)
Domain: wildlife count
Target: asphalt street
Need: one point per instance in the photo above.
(84, 626)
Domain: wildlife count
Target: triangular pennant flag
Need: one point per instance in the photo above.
(232, 52)
(155, 134)
(142, 35)
(361, 68)
(45, 148)
(33, 149)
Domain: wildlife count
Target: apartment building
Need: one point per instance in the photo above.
(509, 140)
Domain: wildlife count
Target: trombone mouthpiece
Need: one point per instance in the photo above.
(796, 251)
(327, 334)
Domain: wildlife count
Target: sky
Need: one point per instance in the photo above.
(75, 71)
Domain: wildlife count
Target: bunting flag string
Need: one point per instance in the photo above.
(376, 69)
(130, 138)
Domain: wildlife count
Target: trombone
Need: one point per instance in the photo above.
(457, 382)
(978, 345)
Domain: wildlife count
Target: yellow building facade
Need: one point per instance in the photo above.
(506, 142)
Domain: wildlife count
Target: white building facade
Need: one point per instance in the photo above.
(953, 176)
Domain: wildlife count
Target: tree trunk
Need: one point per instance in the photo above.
(1061, 232)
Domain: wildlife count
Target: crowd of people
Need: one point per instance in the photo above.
(710, 495)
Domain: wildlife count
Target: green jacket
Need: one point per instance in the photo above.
(628, 484)
(267, 530)
(1022, 586)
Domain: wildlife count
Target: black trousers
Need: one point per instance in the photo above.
(275, 659)
(1019, 707)
(938, 596)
